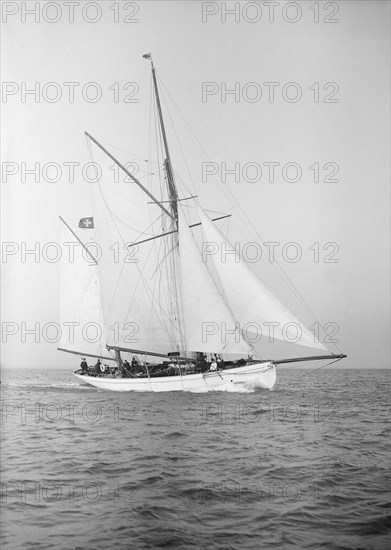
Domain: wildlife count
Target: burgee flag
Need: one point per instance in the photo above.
(86, 223)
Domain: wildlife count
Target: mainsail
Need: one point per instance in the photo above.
(139, 301)
(252, 304)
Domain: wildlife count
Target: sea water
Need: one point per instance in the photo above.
(302, 466)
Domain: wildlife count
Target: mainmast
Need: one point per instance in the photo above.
(167, 162)
(173, 275)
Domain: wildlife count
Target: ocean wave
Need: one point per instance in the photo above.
(202, 470)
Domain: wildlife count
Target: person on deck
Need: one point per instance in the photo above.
(135, 362)
(97, 367)
(84, 366)
(204, 363)
(126, 371)
(213, 365)
(220, 362)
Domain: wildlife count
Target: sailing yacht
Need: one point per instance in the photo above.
(146, 292)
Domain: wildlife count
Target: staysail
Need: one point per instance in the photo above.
(205, 313)
(252, 304)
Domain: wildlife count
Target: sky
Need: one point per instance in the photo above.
(328, 122)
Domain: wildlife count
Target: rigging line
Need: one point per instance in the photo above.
(181, 185)
(84, 291)
(173, 126)
(119, 276)
(158, 287)
(165, 266)
(114, 293)
(112, 215)
(223, 214)
(133, 292)
(173, 231)
(158, 140)
(176, 282)
(224, 298)
(80, 241)
(170, 249)
(101, 310)
(165, 256)
(154, 302)
(194, 137)
(130, 154)
(221, 291)
(176, 135)
(285, 276)
(136, 229)
(176, 174)
(149, 130)
(153, 130)
(113, 218)
(158, 283)
(320, 368)
(173, 297)
(142, 174)
(145, 230)
(162, 317)
(135, 180)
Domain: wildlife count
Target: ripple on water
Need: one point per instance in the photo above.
(304, 466)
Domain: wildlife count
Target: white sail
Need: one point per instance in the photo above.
(205, 313)
(137, 283)
(148, 288)
(252, 304)
(81, 319)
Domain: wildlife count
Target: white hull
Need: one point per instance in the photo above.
(258, 375)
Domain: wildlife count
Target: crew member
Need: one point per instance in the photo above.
(126, 371)
(84, 366)
(213, 365)
(97, 367)
(220, 362)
